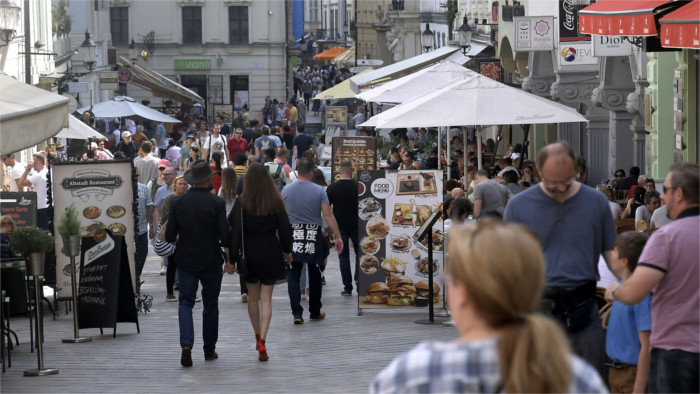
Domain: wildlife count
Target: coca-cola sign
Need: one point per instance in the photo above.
(568, 20)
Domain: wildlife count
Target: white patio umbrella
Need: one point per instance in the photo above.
(474, 101)
(78, 130)
(28, 115)
(126, 107)
(415, 84)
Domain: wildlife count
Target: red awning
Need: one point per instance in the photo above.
(623, 17)
(681, 28)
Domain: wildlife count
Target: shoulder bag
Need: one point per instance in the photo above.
(160, 245)
(242, 265)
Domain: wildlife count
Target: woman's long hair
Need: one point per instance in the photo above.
(260, 196)
(505, 286)
(228, 184)
(216, 158)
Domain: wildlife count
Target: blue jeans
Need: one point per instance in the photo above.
(141, 252)
(674, 371)
(211, 287)
(315, 289)
(344, 257)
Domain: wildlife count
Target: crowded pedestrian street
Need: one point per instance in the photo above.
(340, 354)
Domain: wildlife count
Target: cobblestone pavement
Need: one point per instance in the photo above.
(339, 354)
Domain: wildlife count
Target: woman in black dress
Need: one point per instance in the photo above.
(267, 241)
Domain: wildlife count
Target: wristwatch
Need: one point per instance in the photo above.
(615, 291)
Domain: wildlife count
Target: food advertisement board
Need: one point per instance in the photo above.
(361, 151)
(336, 114)
(392, 205)
(104, 195)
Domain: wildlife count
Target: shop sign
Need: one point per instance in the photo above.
(611, 46)
(568, 21)
(534, 33)
(109, 80)
(579, 54)
(78, 87)
(125, 75)
(192, 64)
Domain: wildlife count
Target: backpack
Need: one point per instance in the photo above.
(278, 180)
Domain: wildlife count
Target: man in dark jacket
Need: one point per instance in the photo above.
(198, 219)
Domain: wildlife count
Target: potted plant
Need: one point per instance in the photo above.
(68, 227)
(32, 243)
(168, 103)
(145, 102)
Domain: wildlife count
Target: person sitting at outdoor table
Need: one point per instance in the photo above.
(407, 161)
(394, 160)
(457, 165)
(615, 208)
(642, 216)
(642, 180)
(504, 344)
(628, 182)
(102, 148)
(7, 227)
(632, 205)
(528, 176)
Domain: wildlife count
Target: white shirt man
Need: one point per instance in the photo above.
(16, 170)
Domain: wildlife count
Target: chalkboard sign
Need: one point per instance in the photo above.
(21, 206)
(105, 294)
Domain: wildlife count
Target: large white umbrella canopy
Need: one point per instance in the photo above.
(474, 101)
(78, 130)
(416, 84)
(126, 107)
(28, 115)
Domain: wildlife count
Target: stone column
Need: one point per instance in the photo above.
(575, 90)
(615, 84)
(539, 82)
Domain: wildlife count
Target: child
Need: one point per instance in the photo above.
(629, 329)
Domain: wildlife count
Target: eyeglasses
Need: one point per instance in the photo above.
(669, 188)
(567, 182)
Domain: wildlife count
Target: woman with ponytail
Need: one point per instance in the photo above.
(504, 345)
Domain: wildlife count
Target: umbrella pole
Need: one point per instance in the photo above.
(439, 149)
(447, 156)
(478, 146)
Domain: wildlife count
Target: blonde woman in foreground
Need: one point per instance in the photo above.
(504, 345)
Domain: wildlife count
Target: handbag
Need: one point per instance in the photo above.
(242, 265)
(160, 245)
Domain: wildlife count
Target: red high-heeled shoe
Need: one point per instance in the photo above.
(262, 350)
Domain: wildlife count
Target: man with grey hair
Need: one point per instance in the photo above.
(342, 195)
(574, 226)
(669, 267)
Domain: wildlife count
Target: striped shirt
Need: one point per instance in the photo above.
(446, 367)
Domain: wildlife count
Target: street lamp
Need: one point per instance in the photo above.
(9, 19)
(87, 52)
(427, 38)
(133, 51)
(465, 37)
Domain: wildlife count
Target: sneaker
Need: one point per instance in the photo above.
(176, 286)
(170, 298)
(298, 320)
(346, 293)
(162, 269)
(211, 357)
(323, 281)
(186, 357)
(320, 316)
(244, 298)
(198, 299)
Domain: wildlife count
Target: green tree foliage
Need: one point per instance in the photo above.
(69, 223)
(29, 240)
(60, 20)
(450, 15)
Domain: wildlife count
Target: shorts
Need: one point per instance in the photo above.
(253, 278)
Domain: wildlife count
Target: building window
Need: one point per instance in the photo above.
(191, 25)
(119, 25)
(239, 91)
(238, 25)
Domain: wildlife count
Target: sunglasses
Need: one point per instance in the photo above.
(161, 169)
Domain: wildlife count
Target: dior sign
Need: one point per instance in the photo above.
(604, 46)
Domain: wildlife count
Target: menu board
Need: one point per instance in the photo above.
(360, 151)
(336, 115)
(20, 206)
(104, 196)
(393, 267)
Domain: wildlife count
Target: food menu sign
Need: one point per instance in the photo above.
(103, 194)
(393, 267)
(361, 151)
(336, 115)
